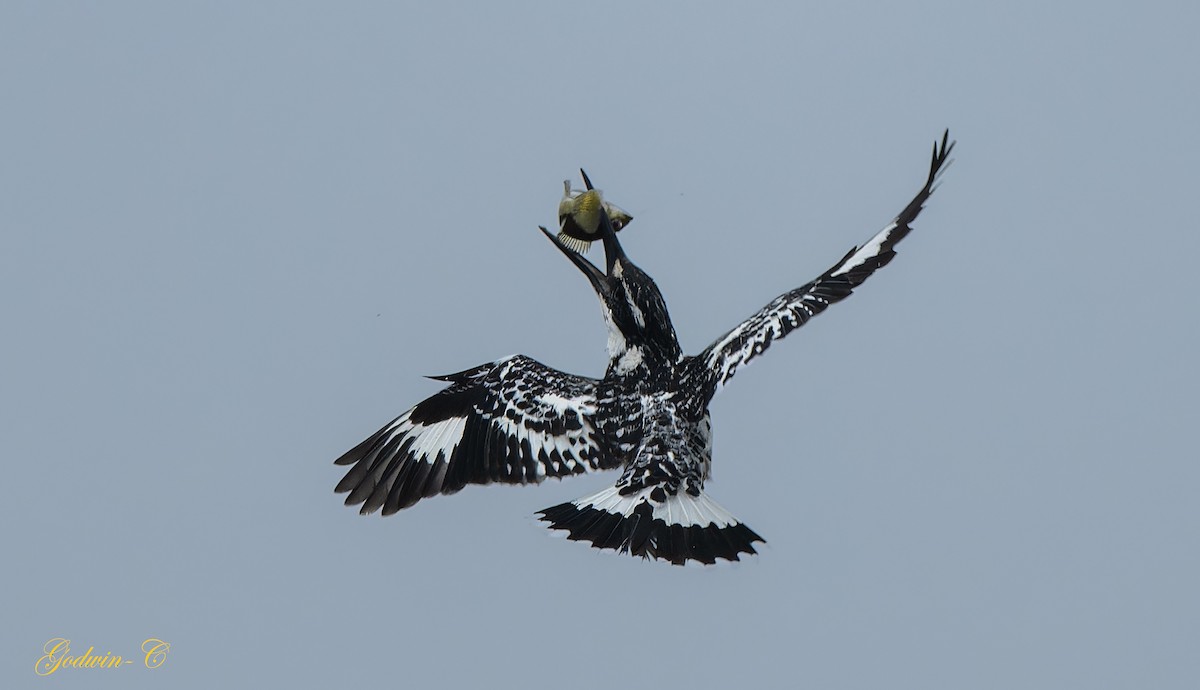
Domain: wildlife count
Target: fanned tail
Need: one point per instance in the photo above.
(679, 529)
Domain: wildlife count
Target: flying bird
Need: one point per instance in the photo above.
(579, 215)
(518, 421)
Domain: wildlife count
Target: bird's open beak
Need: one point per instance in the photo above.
(612, 252)
(594, 275)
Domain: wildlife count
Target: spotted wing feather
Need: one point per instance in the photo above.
(721, 360)
(514, 421)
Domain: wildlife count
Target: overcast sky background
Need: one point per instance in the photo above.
(234, 237)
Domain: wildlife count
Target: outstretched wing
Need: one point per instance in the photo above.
(515, 421)
(721, 360)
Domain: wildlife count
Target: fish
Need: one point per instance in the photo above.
(579, 215)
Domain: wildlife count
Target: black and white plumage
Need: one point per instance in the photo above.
(793, 309)
(514, 421)
(517, 421)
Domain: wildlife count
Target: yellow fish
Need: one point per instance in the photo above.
(579, 215)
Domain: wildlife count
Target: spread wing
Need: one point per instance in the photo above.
(721, 360)
(515, 421)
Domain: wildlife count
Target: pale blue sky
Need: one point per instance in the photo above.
(234, 236)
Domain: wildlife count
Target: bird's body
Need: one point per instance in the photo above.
(517, 421)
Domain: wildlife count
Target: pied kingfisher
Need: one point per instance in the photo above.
(518, 421)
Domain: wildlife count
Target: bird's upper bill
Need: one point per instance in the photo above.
(612, 253)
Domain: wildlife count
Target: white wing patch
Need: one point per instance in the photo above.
(870, 250)
(430, 440)
(514, 421)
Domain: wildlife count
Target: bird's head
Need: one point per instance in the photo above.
(639, 327)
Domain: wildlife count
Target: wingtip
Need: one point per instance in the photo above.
(940, 160)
